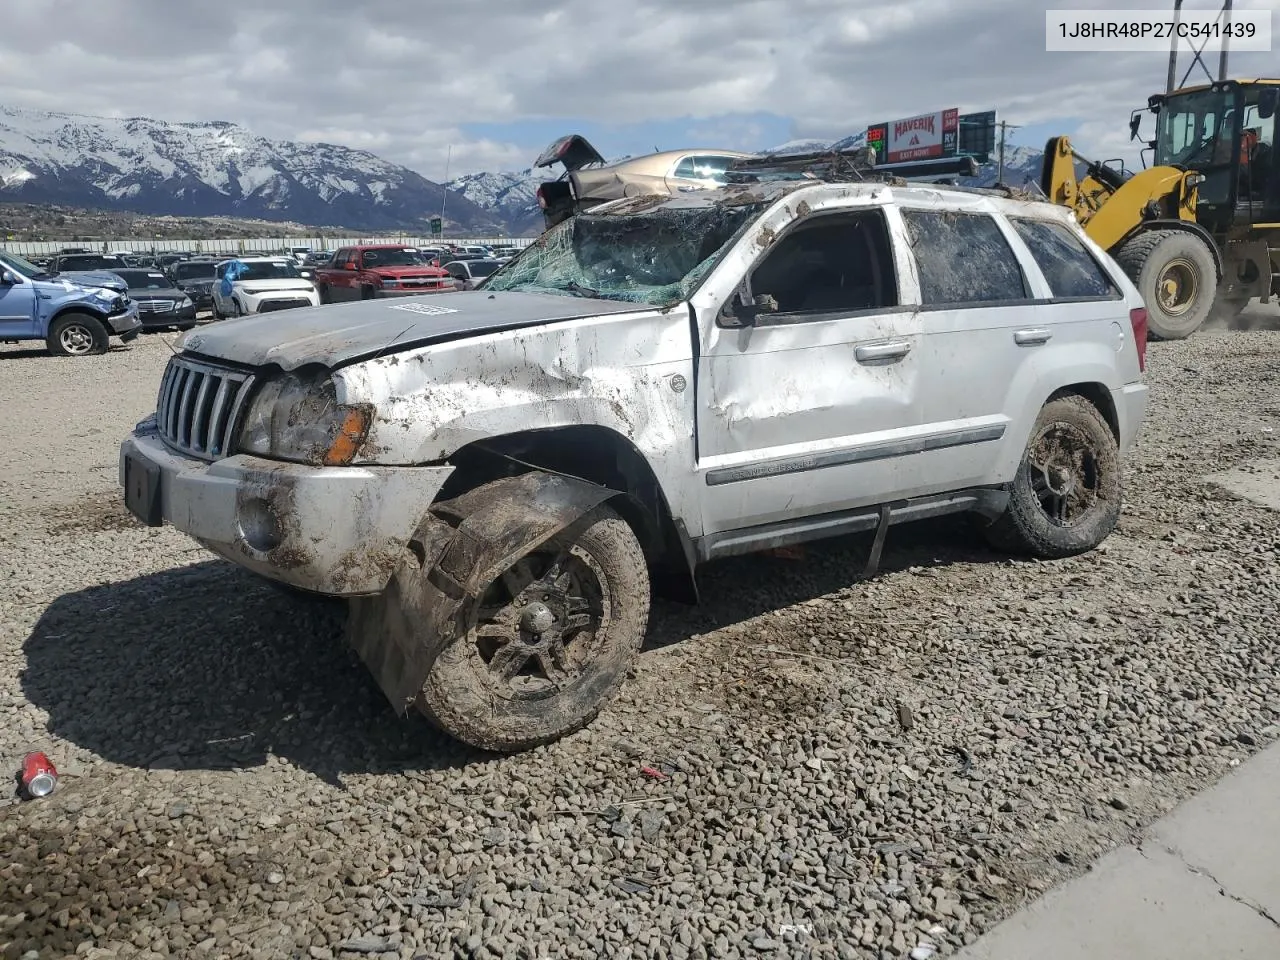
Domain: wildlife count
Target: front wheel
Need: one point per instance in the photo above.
(77, 335)
(548, 643)
(1174, 271)
(1065, 499)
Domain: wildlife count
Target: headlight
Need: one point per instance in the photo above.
(186, 301)
(299, 418)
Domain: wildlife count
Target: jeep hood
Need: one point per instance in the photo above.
(341, 333)
(573, 151)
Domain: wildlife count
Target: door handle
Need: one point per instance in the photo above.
(872, 352)
(1028, 338)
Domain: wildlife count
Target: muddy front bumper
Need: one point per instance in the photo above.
(332, 530)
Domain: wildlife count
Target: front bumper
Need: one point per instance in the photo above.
(125, 322)
(280, 302)
(1131, 409)
(169, 318)
(339, 531)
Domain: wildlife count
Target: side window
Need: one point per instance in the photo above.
(1066, 263)
(339, 257)
(963, 258)
(703, 167)
(830, 264)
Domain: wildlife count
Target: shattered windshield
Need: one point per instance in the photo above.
(655, 256)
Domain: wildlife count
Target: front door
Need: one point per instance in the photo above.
(17, 308)
(981, 325)
(810, 409)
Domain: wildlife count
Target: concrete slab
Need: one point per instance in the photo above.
(1134, 905)
(1232, 832)
(1257, 480)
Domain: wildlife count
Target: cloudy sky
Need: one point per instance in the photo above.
(496, 80)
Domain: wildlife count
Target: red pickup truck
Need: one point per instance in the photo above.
(379, 270)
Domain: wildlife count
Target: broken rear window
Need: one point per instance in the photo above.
(963, 258)
(656, 256)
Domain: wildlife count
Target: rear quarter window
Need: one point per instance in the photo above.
(1069, 268)
(963, 258)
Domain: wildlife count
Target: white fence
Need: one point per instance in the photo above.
(36, 248)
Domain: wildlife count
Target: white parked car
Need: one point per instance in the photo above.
(467, 274)
(260, 284)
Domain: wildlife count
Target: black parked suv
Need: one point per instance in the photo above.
(195, 278)
(80, 262)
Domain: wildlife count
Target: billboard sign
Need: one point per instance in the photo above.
(978, 135)
(946, 133)
(923, 137)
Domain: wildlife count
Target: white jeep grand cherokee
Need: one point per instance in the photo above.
(498, 479)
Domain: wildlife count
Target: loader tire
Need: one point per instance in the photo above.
(1175, 273)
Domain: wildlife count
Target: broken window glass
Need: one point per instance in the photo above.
(1065, 262)
(655, 256)
(834, 263)
(963, 258)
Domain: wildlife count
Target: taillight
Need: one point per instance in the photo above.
(542, 199)
(1138, 320)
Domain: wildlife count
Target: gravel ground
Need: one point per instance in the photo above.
(843, 769)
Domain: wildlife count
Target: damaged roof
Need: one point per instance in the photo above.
(766, 192)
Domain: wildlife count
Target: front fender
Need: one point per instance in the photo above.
(462, 547)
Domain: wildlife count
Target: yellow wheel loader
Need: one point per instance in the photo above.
(1199, 231)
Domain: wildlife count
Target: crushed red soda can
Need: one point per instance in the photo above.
(39, 776)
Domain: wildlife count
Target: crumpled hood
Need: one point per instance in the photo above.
(91, 279)
(263, 286)
(340, 333)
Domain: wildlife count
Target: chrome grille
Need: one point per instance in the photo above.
(155, 306)
(200, 407)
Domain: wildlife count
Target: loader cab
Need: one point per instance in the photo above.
(1225, 131)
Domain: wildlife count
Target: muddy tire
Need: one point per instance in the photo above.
(1065, 499)
(77, 335)
(1175, 273)
(549, 642)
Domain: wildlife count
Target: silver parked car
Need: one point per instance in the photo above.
(498, 480)
(467, 274)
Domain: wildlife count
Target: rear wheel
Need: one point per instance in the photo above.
(548, 642)
(1065, 499)
(1175, 273)
(77, 335)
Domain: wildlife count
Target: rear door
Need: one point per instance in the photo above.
(978, 310)
(344, 283)
(812, 409)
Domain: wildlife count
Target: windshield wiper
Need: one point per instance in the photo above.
(573, 286)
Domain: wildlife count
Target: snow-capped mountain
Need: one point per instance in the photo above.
(214, 169)
(508, 196)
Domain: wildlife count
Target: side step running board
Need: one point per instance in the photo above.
(986, 501)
